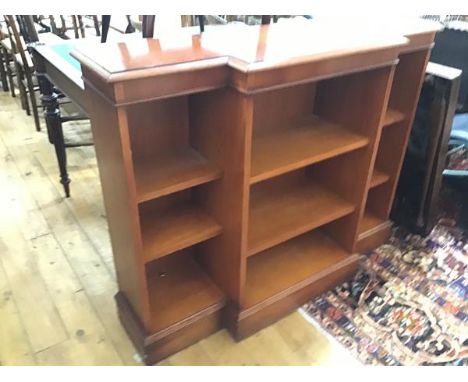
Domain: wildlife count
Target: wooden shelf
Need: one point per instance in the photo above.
(370, 222)
(393, 116)
(378, 178)
(180, 292)
(281, 214)
(166, 174)
(168, 231)
(290, 266)
(275, 153)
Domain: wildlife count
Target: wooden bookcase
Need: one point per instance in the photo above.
(236, 170)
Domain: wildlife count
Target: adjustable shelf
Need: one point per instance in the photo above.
(393, 116)
(172, 229)
(291, 266)
(304, 206)
(277, 152)
(369, 222)
(165, 174)
(180, 292)
(378, 178)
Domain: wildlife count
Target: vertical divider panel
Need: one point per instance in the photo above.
(114, 155)
(221, 129)
(357, 102)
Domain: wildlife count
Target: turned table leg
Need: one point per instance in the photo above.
(54, 124)
(54, 127)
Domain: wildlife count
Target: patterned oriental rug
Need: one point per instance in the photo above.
(407, 305)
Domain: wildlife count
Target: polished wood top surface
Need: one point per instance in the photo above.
(245, 48)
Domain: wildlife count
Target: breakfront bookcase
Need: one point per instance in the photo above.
(243, 168)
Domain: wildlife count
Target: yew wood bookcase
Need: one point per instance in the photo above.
(237, 168)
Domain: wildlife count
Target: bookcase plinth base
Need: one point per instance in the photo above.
(154, 347)
(242, 323)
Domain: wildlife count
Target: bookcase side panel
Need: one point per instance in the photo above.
(112, 143)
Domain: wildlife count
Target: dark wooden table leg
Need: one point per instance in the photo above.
(54, 126)
(53, 121)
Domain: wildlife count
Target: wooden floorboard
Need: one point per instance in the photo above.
(57, 279)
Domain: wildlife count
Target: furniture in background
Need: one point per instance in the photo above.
(58, 74)
(70, 26)
(24, 70)
(451, 49)
(4, 58)
(56, 69)
(416, 204)
(8, 53)
(241, 168)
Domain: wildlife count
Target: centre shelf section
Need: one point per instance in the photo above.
(282, 213)
(287, 149)
(290, 266)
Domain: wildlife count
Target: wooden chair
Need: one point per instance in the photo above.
(7, 48)
(3, 73)
(24, 66)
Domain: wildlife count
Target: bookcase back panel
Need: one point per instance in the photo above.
(353, 100)
(158, 127)
(282, 108)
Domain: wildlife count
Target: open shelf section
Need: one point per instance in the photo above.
(283, 213)
(277, 152)
(290, 266)
(176, 228)
(370, 222)
(393, 116)
(180, 292)
(378, 178)
(170, 173)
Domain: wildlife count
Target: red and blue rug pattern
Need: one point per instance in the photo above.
(407, 305)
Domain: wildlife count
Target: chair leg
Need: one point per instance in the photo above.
(3, 75)
(9, 72)
(22, 90)
(32, 96)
